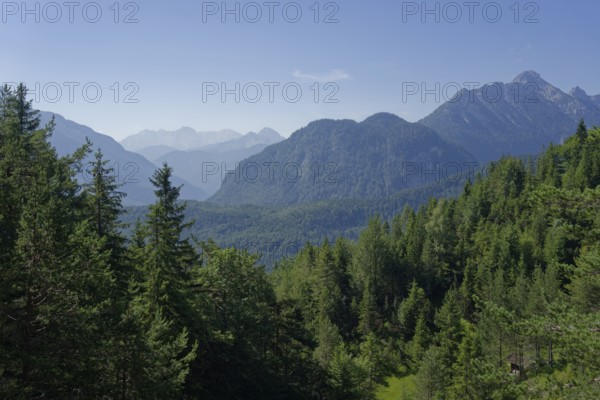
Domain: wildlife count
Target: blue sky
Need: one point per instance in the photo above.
(175, 60)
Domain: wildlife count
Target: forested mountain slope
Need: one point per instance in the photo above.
(493, 295)
(277, 232)
(344, 159)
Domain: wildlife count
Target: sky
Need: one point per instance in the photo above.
(121, 67)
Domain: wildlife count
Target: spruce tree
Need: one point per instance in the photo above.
(416, 306)
(582, 132)
(53, 274)
(169, 260)
(465, 370)
(163, 304)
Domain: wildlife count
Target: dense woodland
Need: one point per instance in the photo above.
(493, 295)
(276, 232)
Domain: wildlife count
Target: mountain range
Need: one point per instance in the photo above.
(182, 139)
(131, 169)
(342, 159)
(205, 167)
(516, 118)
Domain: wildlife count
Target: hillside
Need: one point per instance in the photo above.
(520, 117)
(344, 159)
(491, 294)
(205, 167)
(130, 169)
(277, 232)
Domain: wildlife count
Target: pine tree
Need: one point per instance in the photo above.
(53, 273)
(416, 306)
(368, 317)
(347, 378)
(464, 371)
(342, 256)
(239, 310)
(162, 360)
(92, 325)
(448, 320)
(163, 302)
(329, 280)
(169, 259)
(415, 238)
(374, 362)
(431, 375)
(419, 343)
(370, 269)
(102, 209)
(585, 285)
(21, 142)
(582, 132)
(328, 338)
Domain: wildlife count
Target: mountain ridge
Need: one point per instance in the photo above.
(180, 139)
(320, 161)
(529, 113)
(132, 170)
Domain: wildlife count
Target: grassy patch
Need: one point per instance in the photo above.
(397, 389)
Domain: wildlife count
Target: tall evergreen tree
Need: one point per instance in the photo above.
(169, 259)
(163, 303)
(416, 306)
(582, 132)
(53, 275)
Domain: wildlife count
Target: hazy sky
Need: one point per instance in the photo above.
(168, 65)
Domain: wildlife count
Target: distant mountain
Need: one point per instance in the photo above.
(582, 96)
(343, 159)
(181, 139)
(515, 118)
(205, 167)
(132, 170)
(154, 152)
(265, 136)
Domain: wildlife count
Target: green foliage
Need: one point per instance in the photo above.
(348, 378)
(495, 276)
(585, 284)
(278, 232)
(493, 295)
(464, 371)
(431, 375)
(414, 308)
(397, 389)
